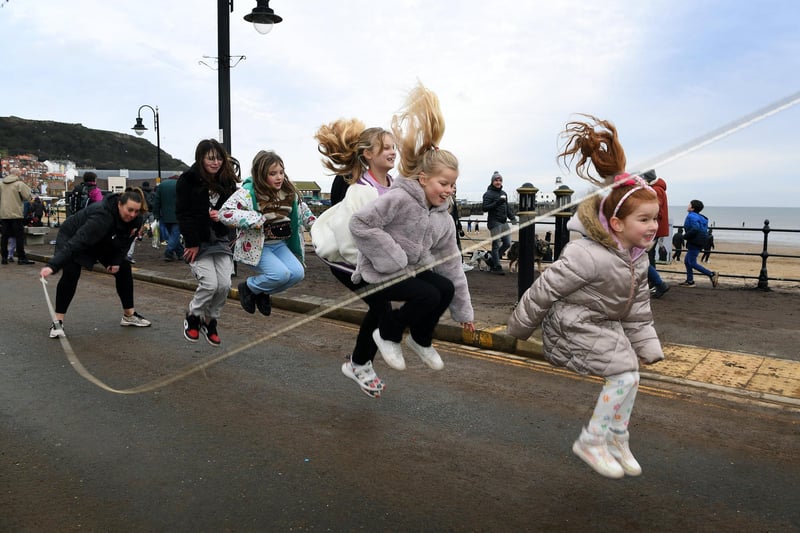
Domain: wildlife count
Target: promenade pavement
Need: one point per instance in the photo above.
(746, 375)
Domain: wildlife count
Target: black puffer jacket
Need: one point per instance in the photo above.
(191, 208)
(95, 233)
(495, 204)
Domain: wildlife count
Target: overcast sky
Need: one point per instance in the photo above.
(509, 75)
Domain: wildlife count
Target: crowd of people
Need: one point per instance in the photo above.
(394, 241)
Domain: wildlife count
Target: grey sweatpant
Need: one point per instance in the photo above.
(213, 273)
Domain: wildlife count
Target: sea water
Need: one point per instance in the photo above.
(751, 218)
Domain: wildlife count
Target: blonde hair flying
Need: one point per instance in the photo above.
(419, 129)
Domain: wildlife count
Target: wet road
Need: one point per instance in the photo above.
(275, 438)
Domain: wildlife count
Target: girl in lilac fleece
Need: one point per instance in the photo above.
(406, 238)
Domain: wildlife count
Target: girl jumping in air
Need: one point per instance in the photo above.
(361, 158)
(408, 229)
(269, 214)
(594, 303)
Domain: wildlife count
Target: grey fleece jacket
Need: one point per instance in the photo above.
(593, 305)
(398, 234)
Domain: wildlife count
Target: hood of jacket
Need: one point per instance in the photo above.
(11, 178)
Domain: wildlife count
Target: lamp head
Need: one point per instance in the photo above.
(263, 17)
(139, 128)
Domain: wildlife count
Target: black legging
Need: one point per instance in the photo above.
(377, 307)
(427, 296)
(68, 284)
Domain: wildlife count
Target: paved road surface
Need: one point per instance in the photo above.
(275, 439)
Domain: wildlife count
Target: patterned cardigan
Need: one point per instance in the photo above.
(241, 211)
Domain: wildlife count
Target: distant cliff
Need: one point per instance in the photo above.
(88, 148)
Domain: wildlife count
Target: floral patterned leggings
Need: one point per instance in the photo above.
(614, 406)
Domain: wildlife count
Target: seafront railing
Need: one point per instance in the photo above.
(763, 276)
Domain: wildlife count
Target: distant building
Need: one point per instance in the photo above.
(309, 190)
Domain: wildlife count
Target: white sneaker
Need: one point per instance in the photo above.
(57, 330)
(618, 446)
(365, 376)
(134, 320)
(467, 267)
(391, 352)
(428, 354)
(593, 449)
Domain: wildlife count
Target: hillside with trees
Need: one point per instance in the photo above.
(88, 148)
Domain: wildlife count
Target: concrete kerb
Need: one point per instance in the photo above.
(493, 338)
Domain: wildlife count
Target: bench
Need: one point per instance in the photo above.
(35, 234)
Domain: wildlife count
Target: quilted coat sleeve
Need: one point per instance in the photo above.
(573, 270)
(373, 242)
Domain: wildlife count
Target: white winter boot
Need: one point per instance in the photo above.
(593, 449)
(618, 446)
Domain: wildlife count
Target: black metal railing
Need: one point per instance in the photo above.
(763, 277)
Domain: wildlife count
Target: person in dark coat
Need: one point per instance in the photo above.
(495, 204)
(164, 211)
(102, 232)
(200, 193)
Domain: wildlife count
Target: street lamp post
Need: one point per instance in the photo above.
(262, 18)
(140, 128)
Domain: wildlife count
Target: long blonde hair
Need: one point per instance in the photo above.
(343, 143)
(419, 128)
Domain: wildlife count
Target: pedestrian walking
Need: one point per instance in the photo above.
(696, 228)
(269, 216)
(677, 244)
(390, 247)
(593, 303)
(100, 233)
(199, 194)
(708, 247)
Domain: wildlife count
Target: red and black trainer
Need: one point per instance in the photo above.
(209, 331)
(191, 328)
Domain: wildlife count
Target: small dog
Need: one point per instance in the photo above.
(481, 258)
(513, 257)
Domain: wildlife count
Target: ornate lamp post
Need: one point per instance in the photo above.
(263, 18)
(563, 196)
(527, 237)
(140, 128)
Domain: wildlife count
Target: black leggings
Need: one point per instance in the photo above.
(377, 307)
(427, 296)
(68, 284)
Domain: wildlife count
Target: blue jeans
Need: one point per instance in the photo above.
(278, 269)
(499, 244)
(654, 277)
(171, 232)
(691, 263)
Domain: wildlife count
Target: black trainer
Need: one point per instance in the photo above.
(264, 304)
(246, 298)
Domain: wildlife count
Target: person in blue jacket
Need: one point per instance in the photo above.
(696, 234)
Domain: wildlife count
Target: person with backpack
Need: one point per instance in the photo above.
(696, 235)
(84, 193)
